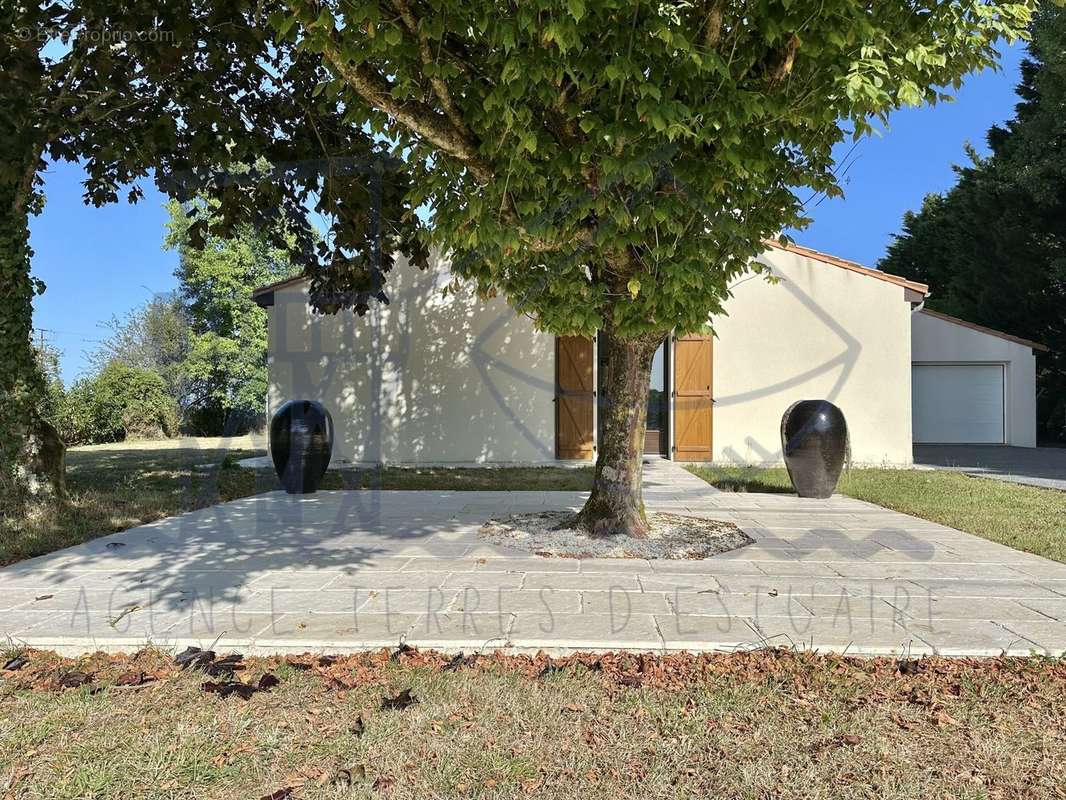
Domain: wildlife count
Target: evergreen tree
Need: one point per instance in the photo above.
(993, 248)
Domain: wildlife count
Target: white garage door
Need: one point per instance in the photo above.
(957, 403)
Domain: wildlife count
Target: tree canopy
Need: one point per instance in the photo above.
(617, 163)
(182, 91)
(993, 247)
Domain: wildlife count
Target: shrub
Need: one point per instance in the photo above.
(122, 402)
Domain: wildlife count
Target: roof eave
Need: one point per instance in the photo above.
(852, 266)
(1043, 348)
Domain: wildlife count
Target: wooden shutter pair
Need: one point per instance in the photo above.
(576, 397)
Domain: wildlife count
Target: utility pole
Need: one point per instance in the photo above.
(40, 338)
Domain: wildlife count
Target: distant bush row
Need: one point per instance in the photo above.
(121, 402)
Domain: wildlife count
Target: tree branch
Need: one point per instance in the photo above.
(416, 117)
(440, 88)
(26, 182)
(779, 64)
(712, 27)
(437, 129)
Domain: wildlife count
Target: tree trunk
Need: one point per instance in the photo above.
(31, 452)
(616, 505)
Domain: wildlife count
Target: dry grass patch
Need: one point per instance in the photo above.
(111, 490)
(764, 724)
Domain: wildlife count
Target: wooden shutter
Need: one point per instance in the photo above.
(575, 394)
(693, 382)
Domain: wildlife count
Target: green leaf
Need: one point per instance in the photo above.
(281, 21)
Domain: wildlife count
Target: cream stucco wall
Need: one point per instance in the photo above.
(435, 377)
(939, 341)
(822, 332)
(430, 377)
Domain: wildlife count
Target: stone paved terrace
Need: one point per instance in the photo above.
(342, 571)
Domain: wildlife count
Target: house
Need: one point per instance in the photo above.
(440, 376)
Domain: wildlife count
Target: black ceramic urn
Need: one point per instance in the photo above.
(301, 441)
(814, 440)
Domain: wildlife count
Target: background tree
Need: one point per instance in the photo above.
(48, 359)
(207, 341)
(612, 166)
(153, 337)
(994, 247)
(226, 356)
(121, 402)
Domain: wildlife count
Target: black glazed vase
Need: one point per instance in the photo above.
(301, 442)
(814, 441)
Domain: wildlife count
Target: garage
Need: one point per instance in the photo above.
(957, 403)
(970, 384)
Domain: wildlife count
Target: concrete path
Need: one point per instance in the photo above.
(1036, 466)
(341, 571)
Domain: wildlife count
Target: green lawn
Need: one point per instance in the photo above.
(767, 724)
(1023, 517)
(111, 489)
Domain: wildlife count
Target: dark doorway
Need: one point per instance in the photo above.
(657, 437)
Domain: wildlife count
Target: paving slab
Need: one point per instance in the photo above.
(625, 602)
(345, 571)
(631, 631)
(973, 638)
(1048, 635)
(458, 630)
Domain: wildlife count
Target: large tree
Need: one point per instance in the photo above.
(612, 165)
(608, 165)
(994, 246)
(226, 360)
(187, 92)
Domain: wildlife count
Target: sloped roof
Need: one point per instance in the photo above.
(825, 258)
(853, 266)
(270, 287)
(982, 329)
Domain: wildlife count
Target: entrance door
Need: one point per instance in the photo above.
(575, 397)
(658, 432)
(693, 398)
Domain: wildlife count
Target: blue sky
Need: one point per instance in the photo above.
(100, 263)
